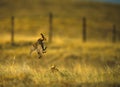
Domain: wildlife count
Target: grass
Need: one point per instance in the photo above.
(67, 15)
(95, 63)
(17, 74)
(79, 65)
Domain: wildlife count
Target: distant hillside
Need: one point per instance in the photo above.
(99, 15)
(19, 7)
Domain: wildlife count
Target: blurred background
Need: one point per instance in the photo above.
(33, 17)
(82, 39)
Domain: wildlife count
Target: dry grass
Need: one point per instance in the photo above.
(17, 75)
(93, 64)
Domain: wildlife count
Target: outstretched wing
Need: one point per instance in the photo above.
(43, 36)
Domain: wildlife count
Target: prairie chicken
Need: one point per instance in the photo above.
(39, 46)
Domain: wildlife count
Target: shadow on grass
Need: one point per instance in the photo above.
(27, 82)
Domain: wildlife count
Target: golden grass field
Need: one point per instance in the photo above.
(85, 64)
(95, 63)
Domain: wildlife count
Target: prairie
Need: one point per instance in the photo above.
(95, 63)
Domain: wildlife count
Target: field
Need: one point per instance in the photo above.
(79, 65)
(95, 63)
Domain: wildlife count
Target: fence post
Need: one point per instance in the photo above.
(12, 30)
(114, 34)
(50, 27)
(84, 30)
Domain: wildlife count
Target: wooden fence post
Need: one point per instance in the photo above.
(84, 30)
(114, 34)
(12, 30)
(50, 27)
